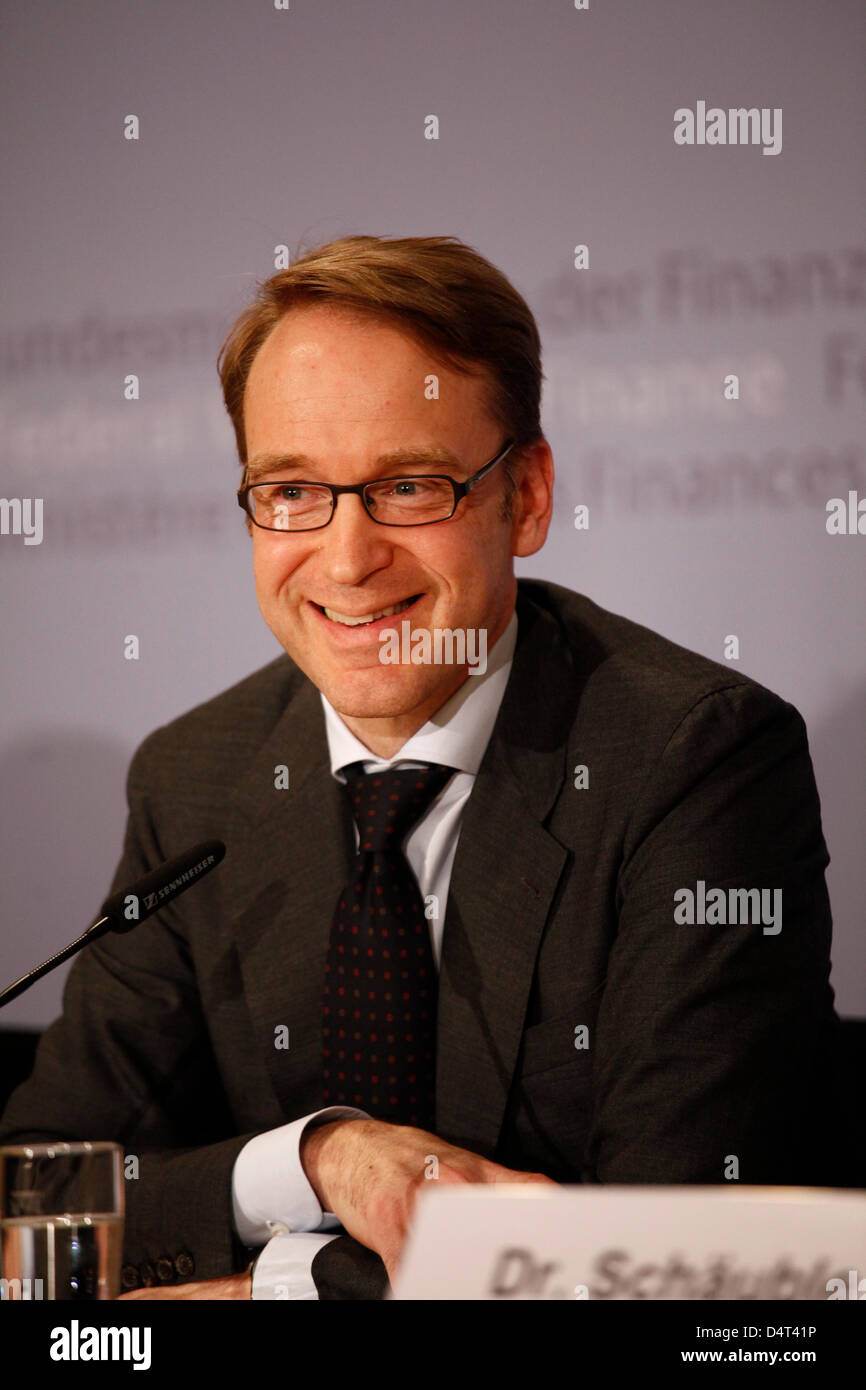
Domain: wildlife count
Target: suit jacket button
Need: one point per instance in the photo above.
(184, 1264)
(148, 1278)
(129, 1278)
(165, 1270)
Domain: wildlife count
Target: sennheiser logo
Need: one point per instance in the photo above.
(152, 899)
(739, 125)
(76, 1343)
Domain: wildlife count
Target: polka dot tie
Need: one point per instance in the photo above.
(379, 999)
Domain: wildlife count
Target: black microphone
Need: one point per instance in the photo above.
(124, 910)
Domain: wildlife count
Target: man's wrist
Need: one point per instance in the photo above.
(319, 1144)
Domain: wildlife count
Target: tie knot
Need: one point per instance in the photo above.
(386, 805)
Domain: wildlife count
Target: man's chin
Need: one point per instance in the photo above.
(384, 692)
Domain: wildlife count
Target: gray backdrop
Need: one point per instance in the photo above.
(261, 127)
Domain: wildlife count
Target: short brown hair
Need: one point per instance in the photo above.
(437, 288)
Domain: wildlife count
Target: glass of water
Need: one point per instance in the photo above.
(61, 1221)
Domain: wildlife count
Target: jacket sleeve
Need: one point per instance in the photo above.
(129, 1060)
(715, 1038)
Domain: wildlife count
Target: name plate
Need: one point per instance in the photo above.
(603, 1243)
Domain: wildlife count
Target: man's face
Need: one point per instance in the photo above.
(344, 390)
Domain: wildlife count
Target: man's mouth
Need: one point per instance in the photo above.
(358, 620)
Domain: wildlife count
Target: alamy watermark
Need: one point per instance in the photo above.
(15, 1290)
(77, 1343)
(738, 907)
(444, 646)
(737, 126)
(22, 516)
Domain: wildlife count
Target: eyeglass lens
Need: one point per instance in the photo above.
(410, 501)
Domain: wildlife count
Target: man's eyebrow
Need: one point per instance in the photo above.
(432, 456)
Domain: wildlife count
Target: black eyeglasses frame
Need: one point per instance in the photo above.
(459, 490)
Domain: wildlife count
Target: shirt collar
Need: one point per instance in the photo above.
(456, 735)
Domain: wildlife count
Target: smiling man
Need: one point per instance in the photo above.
(338, 397)
(446, 925)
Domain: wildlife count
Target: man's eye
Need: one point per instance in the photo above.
(287, 493)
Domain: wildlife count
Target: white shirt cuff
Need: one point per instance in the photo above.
(271, 1193)
(284, 1268)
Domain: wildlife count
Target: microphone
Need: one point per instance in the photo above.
(124, 910)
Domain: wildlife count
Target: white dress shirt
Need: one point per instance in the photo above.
(273, 1202)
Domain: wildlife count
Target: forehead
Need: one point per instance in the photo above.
(327, 365)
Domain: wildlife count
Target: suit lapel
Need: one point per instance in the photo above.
(506, 871)
(294, 850)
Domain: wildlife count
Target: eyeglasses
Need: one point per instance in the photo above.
(414, 500)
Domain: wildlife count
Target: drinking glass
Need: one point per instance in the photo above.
(61, 1221)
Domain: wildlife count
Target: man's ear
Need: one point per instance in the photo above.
(532, 505)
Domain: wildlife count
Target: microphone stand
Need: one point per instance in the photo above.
(93, 932)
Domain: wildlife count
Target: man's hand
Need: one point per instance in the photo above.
(233, 1286)
(369, 1173)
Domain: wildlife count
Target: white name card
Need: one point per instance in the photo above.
(526, 1241)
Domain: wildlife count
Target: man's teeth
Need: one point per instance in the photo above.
(369, 617)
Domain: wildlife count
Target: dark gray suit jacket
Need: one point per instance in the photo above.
(704, 1042)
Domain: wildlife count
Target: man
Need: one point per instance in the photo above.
(536, 1000)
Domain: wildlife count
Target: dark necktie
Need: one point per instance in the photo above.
(379, 1001)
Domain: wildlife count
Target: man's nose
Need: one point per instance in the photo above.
(353, 545)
